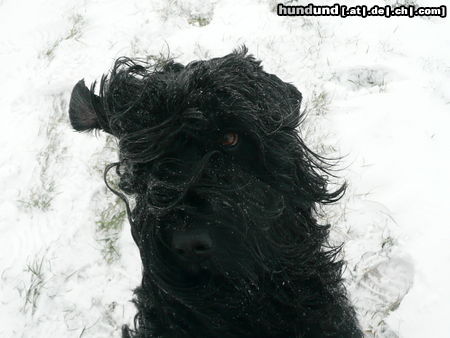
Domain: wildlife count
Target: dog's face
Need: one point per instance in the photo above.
(224, 189)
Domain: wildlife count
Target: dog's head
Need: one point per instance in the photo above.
(225, 189)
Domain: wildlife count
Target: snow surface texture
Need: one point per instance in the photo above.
(377, 91)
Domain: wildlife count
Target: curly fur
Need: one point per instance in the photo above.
(272, 272)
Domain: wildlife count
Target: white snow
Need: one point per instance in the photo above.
(378, 92)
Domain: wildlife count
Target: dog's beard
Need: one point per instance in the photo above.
(255, 243)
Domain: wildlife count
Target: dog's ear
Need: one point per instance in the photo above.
(82, 108)
(295, 96)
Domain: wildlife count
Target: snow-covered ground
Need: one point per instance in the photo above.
(377, 91)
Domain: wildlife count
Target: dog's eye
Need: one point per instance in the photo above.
(230, 139)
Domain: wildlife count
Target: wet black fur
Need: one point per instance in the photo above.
(271, 272)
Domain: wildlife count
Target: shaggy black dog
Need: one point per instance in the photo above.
(222, 195)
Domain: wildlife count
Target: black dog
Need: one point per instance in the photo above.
(225, 195)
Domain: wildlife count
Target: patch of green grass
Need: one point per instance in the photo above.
(319, 103)
(41, 195)
(108, 226)
(197, 20)
(36, 283)
(39, 199)
(109, 208)
(367, 78)
(74, 33)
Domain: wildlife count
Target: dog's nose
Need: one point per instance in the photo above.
(192, 244)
